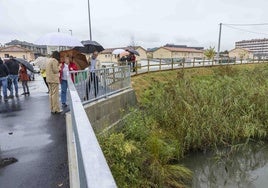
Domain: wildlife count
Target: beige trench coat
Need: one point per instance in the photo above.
(52, 71)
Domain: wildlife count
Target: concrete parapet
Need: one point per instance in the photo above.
(105, 112)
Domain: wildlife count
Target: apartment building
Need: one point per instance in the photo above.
(259, 47)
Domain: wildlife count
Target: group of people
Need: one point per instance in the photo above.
(56, 75)
(10, 73)
(130, 59)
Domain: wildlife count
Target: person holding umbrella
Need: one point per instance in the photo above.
(132, 60)
(94, 64)
(52, 77)
(13, 68)
(3, 78)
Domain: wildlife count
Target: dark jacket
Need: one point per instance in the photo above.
(3, 69)
(13, 67)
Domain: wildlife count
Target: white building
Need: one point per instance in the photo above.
(259, 47)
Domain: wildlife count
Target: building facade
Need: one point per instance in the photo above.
(16, 51)
(240, 53)
(174, 52)
(259, 47)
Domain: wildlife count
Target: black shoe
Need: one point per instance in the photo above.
(27, 93)
(64, 105)
(57, 113)
(23, 94)
(11, 96)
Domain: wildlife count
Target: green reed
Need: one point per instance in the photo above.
(189, 112)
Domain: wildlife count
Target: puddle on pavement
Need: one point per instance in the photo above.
(10, 106)
(21, 139)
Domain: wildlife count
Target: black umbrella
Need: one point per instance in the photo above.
(25, 63)
(89, 47)
(133, 51)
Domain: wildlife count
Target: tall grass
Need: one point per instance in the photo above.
(192, 111)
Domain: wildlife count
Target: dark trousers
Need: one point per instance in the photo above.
(45, 80)
(95, 80)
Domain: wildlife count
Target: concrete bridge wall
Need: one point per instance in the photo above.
(105, 112)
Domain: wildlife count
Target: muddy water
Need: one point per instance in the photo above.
(239, 167)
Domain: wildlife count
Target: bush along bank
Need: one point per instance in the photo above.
(189, 112)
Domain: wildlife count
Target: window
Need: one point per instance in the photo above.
(6, 55)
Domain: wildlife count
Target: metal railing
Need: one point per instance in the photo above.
(93, 170)
(100, 83)
(151, 65)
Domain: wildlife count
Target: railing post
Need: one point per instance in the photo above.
(160, 63)
(183, 63)
(212, 63)
(113, 75)
(203, 61)
(105, 81)
(136, 67)
(148, 65)
(194, 62)
(172, 63)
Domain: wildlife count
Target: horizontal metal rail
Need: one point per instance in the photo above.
(93, 169)
(101, 83)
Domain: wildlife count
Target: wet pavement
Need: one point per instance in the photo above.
(36, 138)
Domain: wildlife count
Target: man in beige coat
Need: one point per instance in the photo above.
(52, 78)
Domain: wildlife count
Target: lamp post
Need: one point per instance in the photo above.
(89, 21)
(219, 44)
(71, 31)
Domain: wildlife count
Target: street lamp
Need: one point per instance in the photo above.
(71, 31)
(89, 21)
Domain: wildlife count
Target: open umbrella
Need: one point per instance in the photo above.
(89, 47)
(79, 59)
(25, 63)
(124, 54)
(58, 39)
(40, 62)
(118, 51)
(133, 51)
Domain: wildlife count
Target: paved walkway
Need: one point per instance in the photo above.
(36, 138)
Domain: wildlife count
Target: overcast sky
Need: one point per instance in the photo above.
(148, 23)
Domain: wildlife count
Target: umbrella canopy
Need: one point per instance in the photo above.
(133, 51)
(89, 47)
(25, 63)
(79, 59)
(125, 53)
(118, 51)
(58, 39)
(40, 62)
